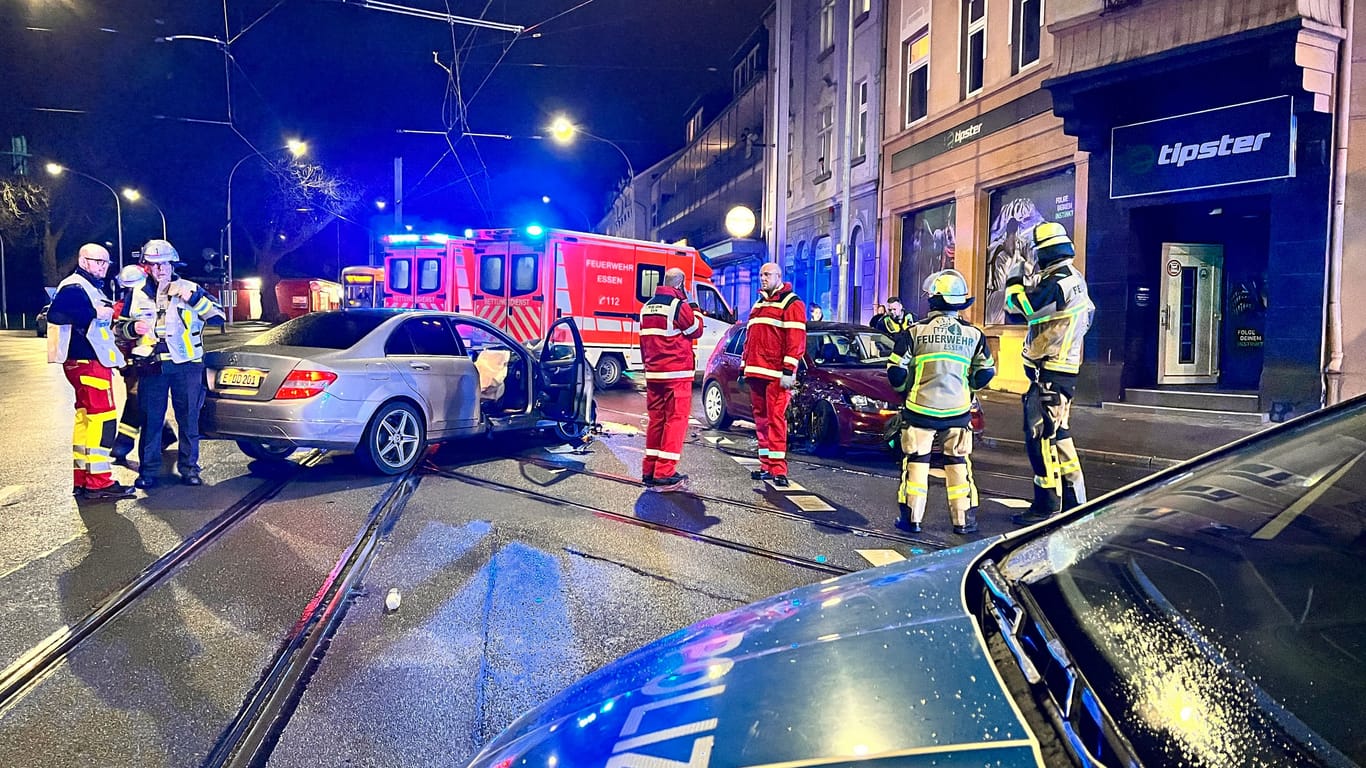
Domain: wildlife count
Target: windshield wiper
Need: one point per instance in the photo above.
(1068, 701)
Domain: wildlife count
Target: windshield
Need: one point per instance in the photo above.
(322, 330)
(1219, 615)
(849, 349)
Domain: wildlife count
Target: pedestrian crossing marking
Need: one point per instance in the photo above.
(808, 503)
(881, 556)
(792, 486)
(1011, 503)
(746, 461)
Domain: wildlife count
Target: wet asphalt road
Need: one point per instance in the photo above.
(521, 565)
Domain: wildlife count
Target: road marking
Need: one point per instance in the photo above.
(746, 461)
(1011, 503)
(792, 486)
(810, 503)
(1280, 522)
(9, 494)
(881, 556)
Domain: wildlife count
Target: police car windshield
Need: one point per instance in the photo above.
(1218, 615)
(323, 330)
(849, 349)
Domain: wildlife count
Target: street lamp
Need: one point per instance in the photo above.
(57, 169)
(133, 196)
(563, 131)
(296, 148)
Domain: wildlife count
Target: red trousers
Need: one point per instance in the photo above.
(92, 437)
(668, 402)
(770, 421)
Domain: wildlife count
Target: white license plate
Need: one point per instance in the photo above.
(241, 377)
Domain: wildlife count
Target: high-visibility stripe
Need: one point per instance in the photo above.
(95, 381)
(663, 375)
(127, 430)
(1015, 294)
(913, 489)
(693, 328)
(790, 360)
(776, 323)
(794, 324)
(660, 332)
(763, 451)
(1071, 466)
(777, 454)
(668, 455)
(958, 491)
(767, 371)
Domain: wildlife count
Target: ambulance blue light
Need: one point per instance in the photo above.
(401, 239)
(535, 230)
(439, 238)
(469, 234)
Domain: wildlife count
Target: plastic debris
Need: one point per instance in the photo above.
(392, 600)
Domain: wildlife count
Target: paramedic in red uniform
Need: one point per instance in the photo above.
(774, 341)
(668, 326)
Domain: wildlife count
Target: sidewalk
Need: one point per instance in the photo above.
(1154, 442)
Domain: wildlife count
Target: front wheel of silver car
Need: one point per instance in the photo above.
(395, 439)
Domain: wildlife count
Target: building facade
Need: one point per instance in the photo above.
(973, 156)
(1210, 128)
(833, 156)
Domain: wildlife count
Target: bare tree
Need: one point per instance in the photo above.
(295, 202)
(26, 219)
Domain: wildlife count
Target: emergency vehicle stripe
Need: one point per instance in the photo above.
(653, 375)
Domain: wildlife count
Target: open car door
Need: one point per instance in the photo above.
(565, 380)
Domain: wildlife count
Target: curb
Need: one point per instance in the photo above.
(1111, 457)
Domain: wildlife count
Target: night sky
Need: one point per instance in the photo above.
(347, 79)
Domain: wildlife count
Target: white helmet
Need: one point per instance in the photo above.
(948, 285)
(132, 276)
(159, 252)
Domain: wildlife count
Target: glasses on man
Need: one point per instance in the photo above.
(96, 261)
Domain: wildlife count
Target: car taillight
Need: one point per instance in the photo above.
(301, 384)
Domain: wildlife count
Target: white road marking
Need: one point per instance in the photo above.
(1279, 523)
(810, 503)
(1011, 503)
(792, 487)
(746, 461)
(10, 494)
(881, 556)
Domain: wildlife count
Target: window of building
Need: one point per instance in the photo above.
(827, 25)
(1028, 19)
(825, 128)
(974, 45)
(861, 137)
(915, 62)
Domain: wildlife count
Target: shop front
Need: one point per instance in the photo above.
(1206, 213)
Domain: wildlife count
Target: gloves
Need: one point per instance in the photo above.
(787, 381)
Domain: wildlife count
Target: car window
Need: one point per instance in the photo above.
(476, 339)
(736, 345)
(1218, 614)
(423, 336)
(709, 303)
(849, 349)
(323, 330)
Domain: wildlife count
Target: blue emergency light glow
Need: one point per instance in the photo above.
(469, 234)
(535, 230)
(401, 239)
(438, 238)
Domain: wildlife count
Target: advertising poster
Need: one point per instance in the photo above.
(927, 245)
(1014, 212)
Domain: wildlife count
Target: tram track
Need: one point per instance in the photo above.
(33, 666)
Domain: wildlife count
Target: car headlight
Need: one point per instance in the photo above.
(865, 404)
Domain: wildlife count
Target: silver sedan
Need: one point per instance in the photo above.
(385, 383)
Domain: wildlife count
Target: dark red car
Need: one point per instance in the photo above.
(842, 397)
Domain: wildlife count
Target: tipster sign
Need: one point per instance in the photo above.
(1238, 144)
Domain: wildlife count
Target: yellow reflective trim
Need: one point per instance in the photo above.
(96, 382)
(1015, 294)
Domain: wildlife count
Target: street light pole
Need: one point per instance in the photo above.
(56, 170)
(563, 131)
(134, 196)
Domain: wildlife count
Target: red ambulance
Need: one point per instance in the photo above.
(522, 280)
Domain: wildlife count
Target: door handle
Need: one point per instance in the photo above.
(417, 366)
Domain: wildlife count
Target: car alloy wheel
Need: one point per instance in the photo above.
(395, 439)
(714, 406)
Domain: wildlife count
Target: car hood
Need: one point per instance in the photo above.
(885, 662)
(871, 382)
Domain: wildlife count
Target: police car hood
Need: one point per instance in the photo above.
(883, 666)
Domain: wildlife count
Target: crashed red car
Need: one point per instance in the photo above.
(842, 399)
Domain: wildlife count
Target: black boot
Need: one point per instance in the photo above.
(904, 521)
(969, 523)
(1046, 504)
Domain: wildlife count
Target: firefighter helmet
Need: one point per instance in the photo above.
(1051, 243)
(159, 252)
(947, 290)
(132, 276)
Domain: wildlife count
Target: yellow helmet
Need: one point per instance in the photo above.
(1052, 243)
(947, 290)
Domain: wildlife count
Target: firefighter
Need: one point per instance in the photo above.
(130, 279)
(668, 326)
(775, 341)
(938, 362)
(166, 316)
(1058, 308)
(81, 339)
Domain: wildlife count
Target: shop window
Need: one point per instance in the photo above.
(648, 279)
(1013, 213)
(1028, 20)
(927, 246)
(915, 89)
(973, 36)
(861, 137)
(491, 275)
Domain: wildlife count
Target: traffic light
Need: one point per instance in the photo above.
(213, 262)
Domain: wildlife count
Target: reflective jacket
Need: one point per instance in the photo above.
(1059, 311)
(177, 329)
(99, 333)
(938, 362)
(668, 326)
(775, 339)
(889, 324)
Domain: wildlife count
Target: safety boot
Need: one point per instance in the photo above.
(904, 522)
(969, 524)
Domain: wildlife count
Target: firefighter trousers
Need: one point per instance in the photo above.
(916, 444)
(770, 423)
(668, 403)
(1058, 480)
(130, 420)
(184, 385)
(92, 436)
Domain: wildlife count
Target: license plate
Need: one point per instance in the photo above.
(241, 377)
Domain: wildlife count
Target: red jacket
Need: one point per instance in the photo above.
(668, 326)
(776, 336)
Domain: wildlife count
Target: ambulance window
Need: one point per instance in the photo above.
(400, 275)
(648, 278)
(523, 273)
(710, 304)
(428, 275)
(491, 274)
